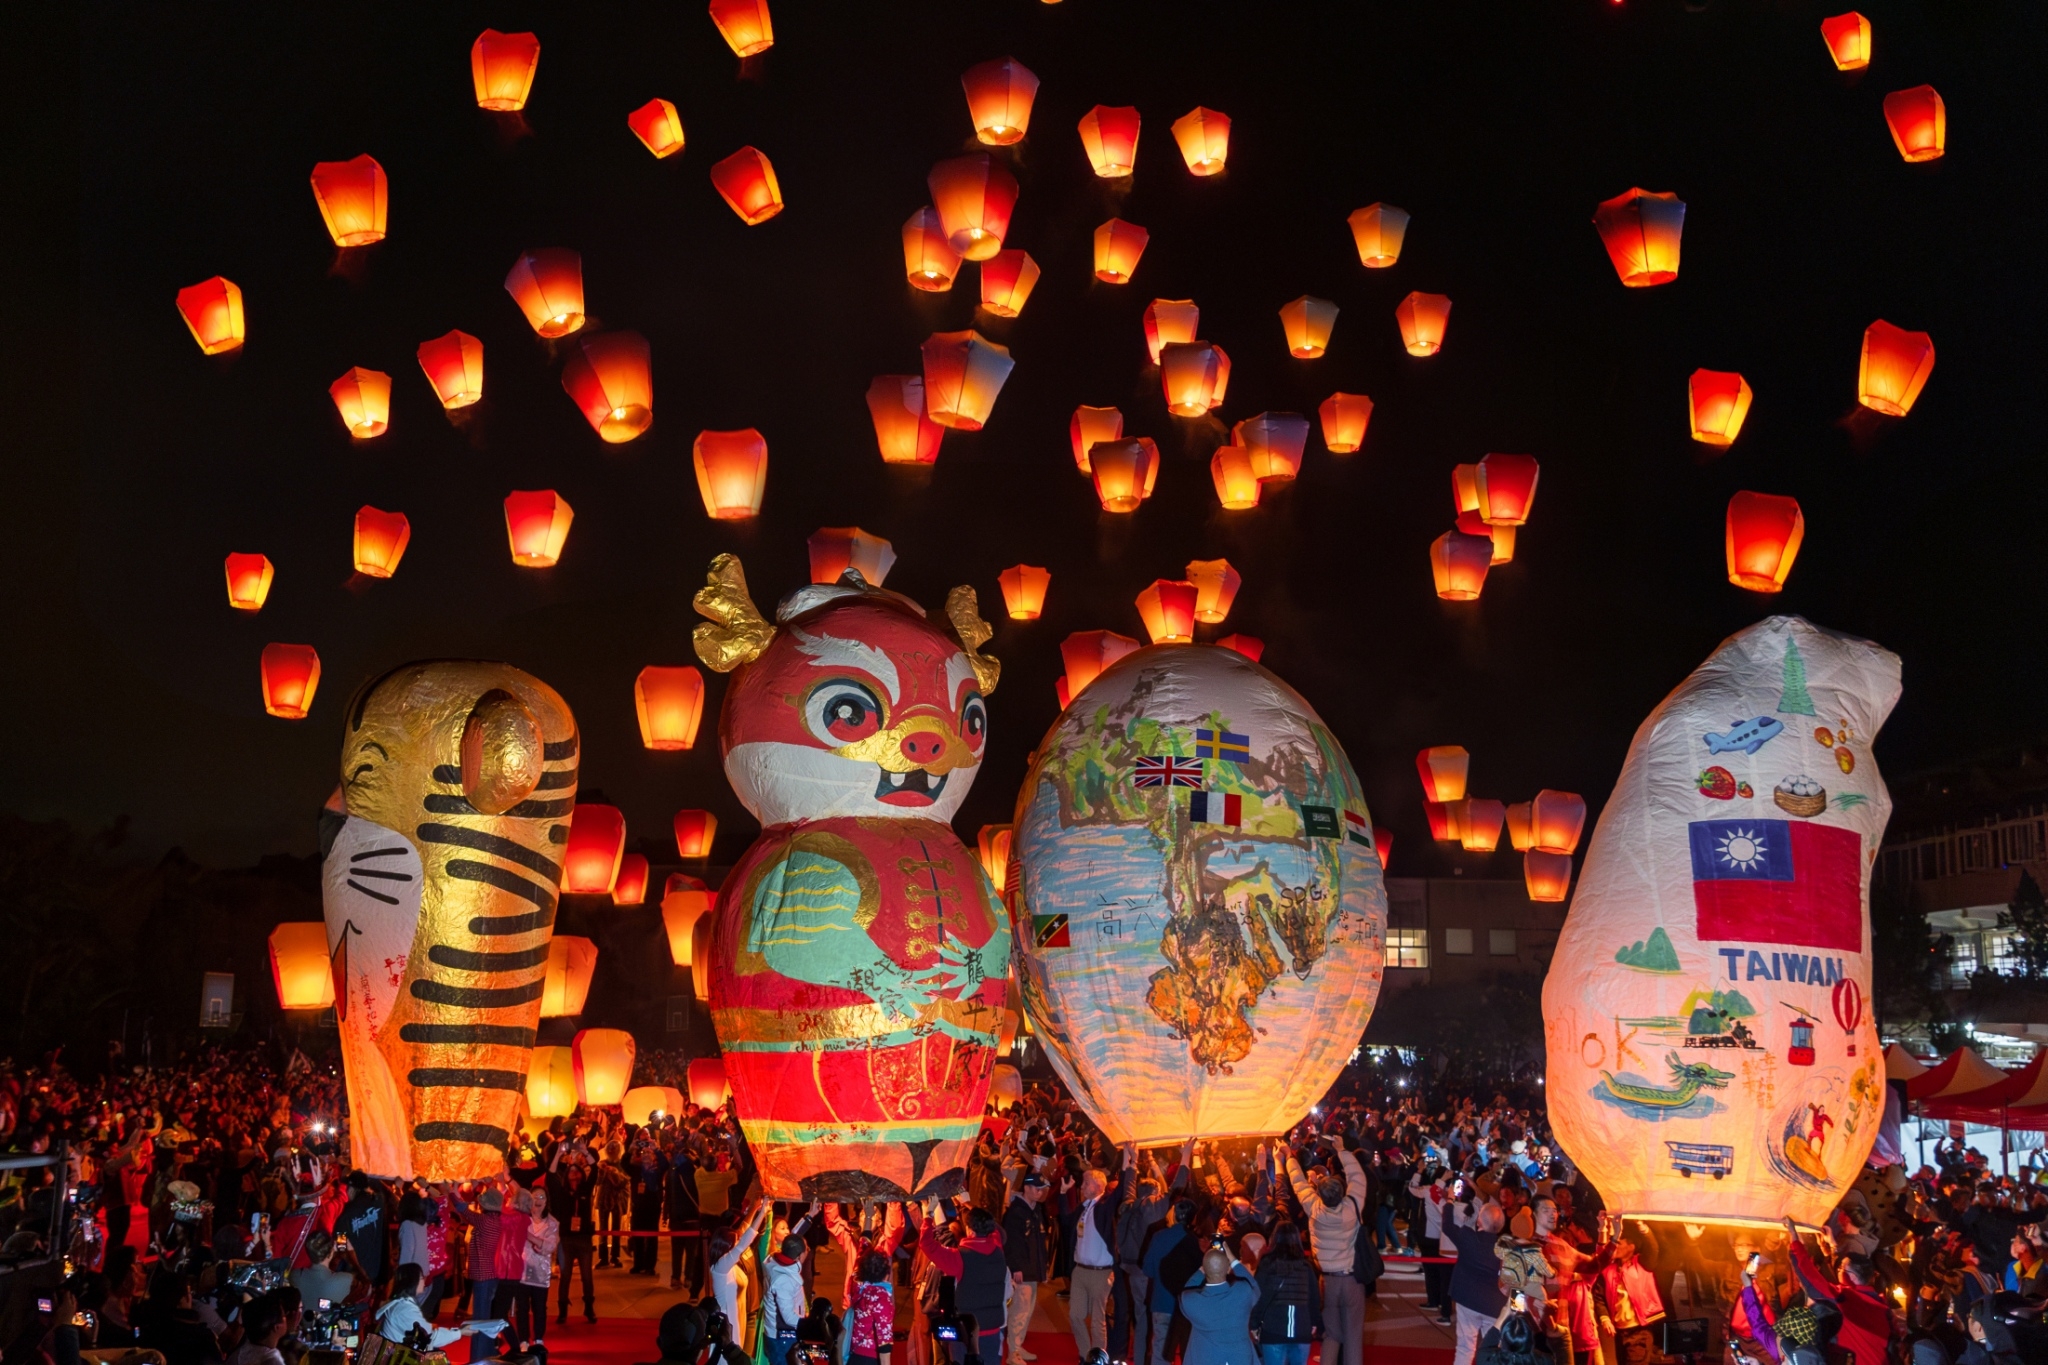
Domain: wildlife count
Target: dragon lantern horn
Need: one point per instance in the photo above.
(963, 609)
(734, 631)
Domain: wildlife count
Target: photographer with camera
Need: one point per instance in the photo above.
(980, 1270)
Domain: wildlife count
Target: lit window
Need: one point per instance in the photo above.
(1407, 947)
(1458, 942)
(1500, 942)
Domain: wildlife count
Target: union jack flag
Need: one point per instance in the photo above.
(1169, 772)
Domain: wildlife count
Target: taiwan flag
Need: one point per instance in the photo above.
(1778, 881)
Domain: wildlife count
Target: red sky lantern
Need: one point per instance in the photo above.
(291, 674)
(1118, 245)
(1086, 653)
(1556, 820)
(1195, 375)
(1308, 322)
(1919, 122)
(1168, 321)
(1204, 138)
(1251, 646)
(1444, 770)
(611, 378)
(1379, 230)
(1507, 489)
(249, 581)
(537, 522)
(1719, 401)
(1641, 230)
(213, 310)
(928, 262)
(1482, 825)
(903, 433)
(658, 126)
(1237, 486)
(1520, 836)
(1168, 611)
(1547, 875)
(999, 96)
(974, 195)
(1423, 318)
(1459, 563)
(547, 284)
(380, 541)
(708, 1086)
(1090, 425)
(1345, 416)
(1439, 814)
(1383, 844)
(1275, 441)
(602, 1059)
(835, 549)
(354, 199)
(454, 365)
(1764, 532)
(597, 842)
(1894, 368)
(1848, 40)
(1110, 137)
(502, 66)
(746, 181)
(1216, 585)
(1007, 279)
(565, 988)
(732, 472)
(669, 702)
(744, 24)
(1124, 471)
(695, 830)
(700, 957)
(963, 373)
(300, 967)
(1024, 588)
(363, 398)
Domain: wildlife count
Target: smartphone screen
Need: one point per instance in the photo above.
(44, 1305)
(1755, 1259)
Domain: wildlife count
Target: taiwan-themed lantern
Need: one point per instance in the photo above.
(213, 310)
(611, 378)
(835, 549)
(1237, 484)
(974, 196)
(992, 845)
(1085, 654)
(603, 1063)
(1345, 416)
(1423, 318)
(249, 581)
(1520, 834)
(1443, 769)
(1555, 820)
(1723, 917)
(1275, 441)
(1124, 472)
(1118, 245)
(1251, 646)
(700, 955)
(572, 961)
(1893, 369)
(1307, 322)
(547, 284)
(631, 887)
(502, 66)
(1848, 40)
(299, 966)
(291, 674)
(1090, 425)
(1110, 137)
(597, 841)
(903, 433)
(1919, 122)
(684, 900)
(999, 96)
(537, 523)
(695, 830)
(1216, 585)
(1168, 611)
(746, 181)
(744, 24)
(963, 373)
(1548, 876)
(732, 472)
(658, 126)
(1007, 279)
(550, 1083)
(440, 953)
(380, 541)
(1195, 376)
(1764, 532)
(1641, 231)
(354, 200)
(1481, 833)
(1378, 229)
(1719, 401)
(454, 365)
(1024, 588)
(709, 1087)
(669, 702)
(1459, 563)
(642, 1103)
(1506, 485)
(1168, 321)
(363, 398)
(1204, 138)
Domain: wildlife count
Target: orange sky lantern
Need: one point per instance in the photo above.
(1444, 769)
(1507, 489)
(299, 965)
(669, 701)
(1459, 564)
(1465, 489)
(602, 1059)
(1719, 401)
(1168, 611)
(454, 365)
(1110, 137)
(1482, 825)
(1090, 425)
(1204, 138)
(684, 900)
(1764, 532)
(363, 398)
(550, 1083)
(999, 96)
(1007, 279)
(1848, 40)
(213, 310)
(631, 887)
(746, 181)
(502, 66)
(597, 841)
(992, 848)
(640, 1104)
(537, 522)
(1237, 487)
(1308, 322)
(706, 1079)
(928, 262)
(1275, 441)
(1024, 588)
(1216, 585)
(732, 472)
(1893, 369)
(1251, 646)
(695, 831)
(744, 24)
(1345, 416)
(565, 989)
(1456, 821)
(1168, 321)
(835, 549)
(354, 199)
(903, 433)
(1118, 245)
(1519, 832)
(1423, 318)
(658, 126)
(963, 373)
(974, 195)
(1641, 231)
(1919, 122)
(611, 378)
(1124, 471)
(547, 284)
(380, 541)
(1086, 653)
(291, 675)
(1195, 375)
(1556, 821)
(1547, 875)
(1379, 230)
(700, 956)
(249, 581)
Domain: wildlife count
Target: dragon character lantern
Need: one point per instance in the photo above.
(859, 954)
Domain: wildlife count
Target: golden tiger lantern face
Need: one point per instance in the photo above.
(441, 858)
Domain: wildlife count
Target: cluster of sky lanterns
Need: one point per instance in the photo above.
(1544, 830)
(1492, 499)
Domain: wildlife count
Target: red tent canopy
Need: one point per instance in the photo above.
(1959, 1073)
(2026, 1087)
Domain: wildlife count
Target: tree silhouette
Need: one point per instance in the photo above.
(2027, 916)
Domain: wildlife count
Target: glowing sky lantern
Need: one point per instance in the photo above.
(1195, 376)
(992, 846)
(640, 1104)
(1724, 922)
(1848, 40)
(299, 966)
(354, 199)
(1718, 401)
(213, 310)
(1555, 820)
(363, 398)
(1483, 817)
(1502, 536)
(706, 1077)
(974, 196)
(903, 432)
(502, 67)
(1444, 769)
(700, 956)
(1086, 653)
(1237, 484)
(1308, 322)
(1378, 230)
(454, 365)
(249, 581)
(1520, 835)
(684, 900)
(1764, 532)
(1168, 321)
(1422, 319)
(1251, 646)
(1459, 562)
(744, 24)
(1024, 588)
(1465, 490)
(999, 96)
(603, 1062)
(746, 181)
(551, 1083)
(565, 990)
(1168, 611)
(1547, 876)
(835, 549)
(631, 887)
(1124, 472)
(537, 523)
(695, 832)
(658, 126)
(1275, 442)
(611, 378)
(963, 373)
(1007, 279)
(1439, 815)
(290, 675)
(1006, 1084)
(1507, 489)
(669, 702)
(1894, 368)
(1204, 138)
(1216, 585)
(732, 472)
(1641, 231)
(1118, 245)
(547, 284)
(597, 841)
(1919, 122)
(1110, 137)
(380, 541)
(1345, 416)
(1089, 425)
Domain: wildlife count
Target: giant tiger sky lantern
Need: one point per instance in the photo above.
(1711, 1054)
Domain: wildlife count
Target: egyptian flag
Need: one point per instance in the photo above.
(1778, 881)
(1215, 808)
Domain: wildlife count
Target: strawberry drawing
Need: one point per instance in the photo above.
(1718, 783)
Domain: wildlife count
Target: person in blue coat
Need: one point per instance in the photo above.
(1218, 1305)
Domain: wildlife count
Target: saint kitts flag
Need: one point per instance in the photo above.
(1778, 881)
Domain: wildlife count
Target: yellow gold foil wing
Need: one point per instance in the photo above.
(734, 632)
(963, 609)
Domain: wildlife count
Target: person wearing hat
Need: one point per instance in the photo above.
(1027, 1250)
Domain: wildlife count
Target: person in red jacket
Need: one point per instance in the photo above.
(1866, 1319)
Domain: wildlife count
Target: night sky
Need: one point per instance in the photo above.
(137, 463)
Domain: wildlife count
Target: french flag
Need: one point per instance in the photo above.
(1215, 808)
(1778, 881)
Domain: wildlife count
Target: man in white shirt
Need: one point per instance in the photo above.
(1094, 1224)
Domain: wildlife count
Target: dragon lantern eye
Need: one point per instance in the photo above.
(974, 720)
(843, 712)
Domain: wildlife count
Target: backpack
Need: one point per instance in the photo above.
(1367, 1265)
